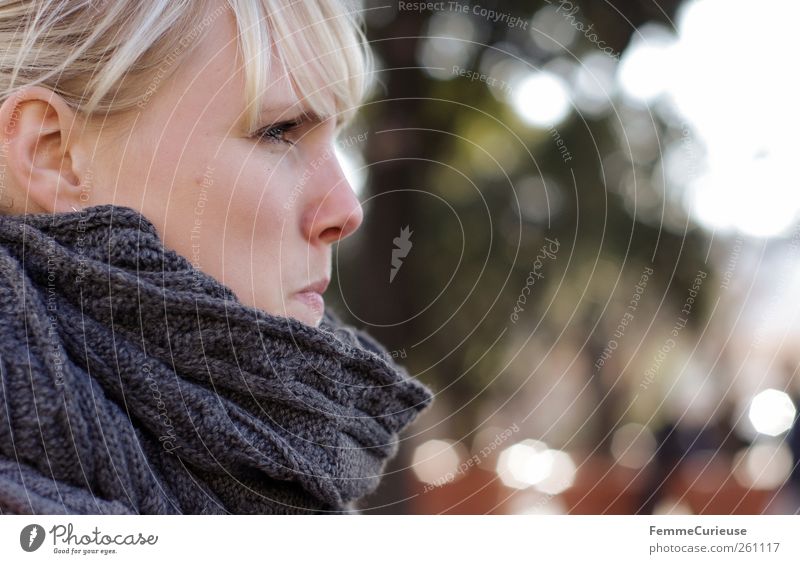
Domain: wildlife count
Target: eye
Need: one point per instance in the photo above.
(275, 133)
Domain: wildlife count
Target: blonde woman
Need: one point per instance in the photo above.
(169, 197)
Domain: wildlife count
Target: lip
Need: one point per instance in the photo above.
(317, 287)
(311, 295)
(313, 300)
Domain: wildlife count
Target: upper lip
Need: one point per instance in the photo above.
(319, 286)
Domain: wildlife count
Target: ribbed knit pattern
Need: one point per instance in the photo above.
(131, 382)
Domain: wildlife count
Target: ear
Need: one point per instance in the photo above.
(45, 163)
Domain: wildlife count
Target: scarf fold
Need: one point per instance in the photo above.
(131, 382)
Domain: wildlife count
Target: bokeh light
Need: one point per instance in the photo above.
(541, 99)
(764, 466)
(633, 445)
(525, 463)
(772, 412)
(436, 461)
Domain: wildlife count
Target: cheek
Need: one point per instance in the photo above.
(258, 207)
(149, 172)
(251, 230)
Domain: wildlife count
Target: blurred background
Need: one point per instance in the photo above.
(581, 231)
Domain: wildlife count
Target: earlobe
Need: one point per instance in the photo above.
(42, 158)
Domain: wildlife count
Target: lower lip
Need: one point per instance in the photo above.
(312, 300)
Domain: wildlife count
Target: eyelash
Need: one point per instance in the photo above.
(269, 133)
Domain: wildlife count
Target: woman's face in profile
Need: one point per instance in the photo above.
(257, 212)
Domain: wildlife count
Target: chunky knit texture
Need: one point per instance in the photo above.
(131, 382)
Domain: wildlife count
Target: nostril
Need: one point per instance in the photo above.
(331, 234)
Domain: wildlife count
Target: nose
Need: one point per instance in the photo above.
(334, 211)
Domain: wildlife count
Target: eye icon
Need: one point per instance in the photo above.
(31, 537)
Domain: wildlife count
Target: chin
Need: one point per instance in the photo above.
(295, 309)
(305, 315)
(312, 321)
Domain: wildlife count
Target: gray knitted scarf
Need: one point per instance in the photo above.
(131, 382)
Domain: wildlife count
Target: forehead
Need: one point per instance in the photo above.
(214, 73)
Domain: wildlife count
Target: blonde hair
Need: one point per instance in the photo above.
(108, 56)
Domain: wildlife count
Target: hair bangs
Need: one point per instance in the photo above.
(321, 45)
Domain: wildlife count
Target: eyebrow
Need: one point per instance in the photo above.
(287, 114)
